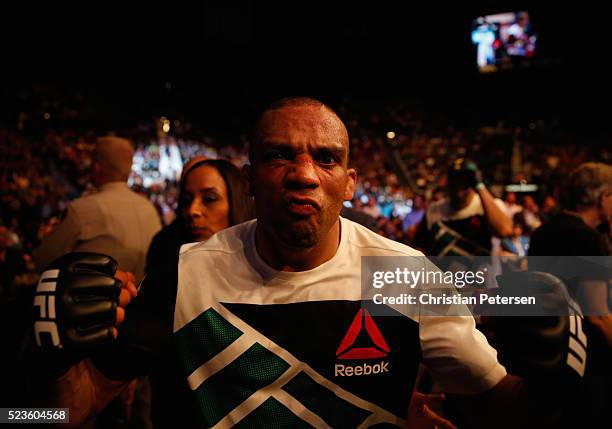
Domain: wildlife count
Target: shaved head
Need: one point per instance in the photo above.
(114, 158)
(299, 177)
(332, 122)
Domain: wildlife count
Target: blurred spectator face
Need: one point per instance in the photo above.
(205, 203)
(419, 203)
(549, 205)
(517, 230)
(530, 204)
(590, 187)
(511, 198)
(299, 175)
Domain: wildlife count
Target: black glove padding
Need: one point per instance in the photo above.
(75, 303)
(540, 348)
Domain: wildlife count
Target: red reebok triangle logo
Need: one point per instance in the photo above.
(379, 347)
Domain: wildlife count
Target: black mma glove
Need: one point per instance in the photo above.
(75, 308)
(541, 349)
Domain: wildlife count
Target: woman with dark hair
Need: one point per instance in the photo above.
(212, 197)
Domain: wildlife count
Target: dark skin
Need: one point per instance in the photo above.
(299, 177)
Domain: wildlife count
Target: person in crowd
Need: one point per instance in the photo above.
(114, 221)
(204, 183)
(531, 212)
(518, 242)
(512, 207)
(561, 246)
(587, 205)
(466, 220)
(550, 208)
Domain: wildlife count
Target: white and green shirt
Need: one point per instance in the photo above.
(267, 348)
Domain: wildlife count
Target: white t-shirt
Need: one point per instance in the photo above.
(257, 342)
(442, 210)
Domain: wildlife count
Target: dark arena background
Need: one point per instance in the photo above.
(417, 85)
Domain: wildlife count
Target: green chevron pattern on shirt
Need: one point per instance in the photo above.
(254, 369)
(272, 415)
(204, 337)
(326, 404)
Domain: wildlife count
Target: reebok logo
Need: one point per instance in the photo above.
(363, 340)
(363, 369)
(377, 345)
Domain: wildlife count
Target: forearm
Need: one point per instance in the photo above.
(496, 407)
(499, 222)
(85, 391)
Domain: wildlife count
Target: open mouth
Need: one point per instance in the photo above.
(302, 206)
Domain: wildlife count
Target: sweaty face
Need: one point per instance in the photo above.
(205, 204)
(299, 174)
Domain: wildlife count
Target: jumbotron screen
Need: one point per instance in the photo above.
(503, 41)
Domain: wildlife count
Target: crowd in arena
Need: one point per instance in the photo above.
(506, 181)
(401, 157)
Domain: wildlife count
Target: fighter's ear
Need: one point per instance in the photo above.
(247, 171)
(351, 183)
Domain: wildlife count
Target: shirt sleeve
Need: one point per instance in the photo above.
(60, 241)
(458, 355)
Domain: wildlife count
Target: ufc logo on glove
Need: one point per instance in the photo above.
(44, 300)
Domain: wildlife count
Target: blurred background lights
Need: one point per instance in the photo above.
(165, 125)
